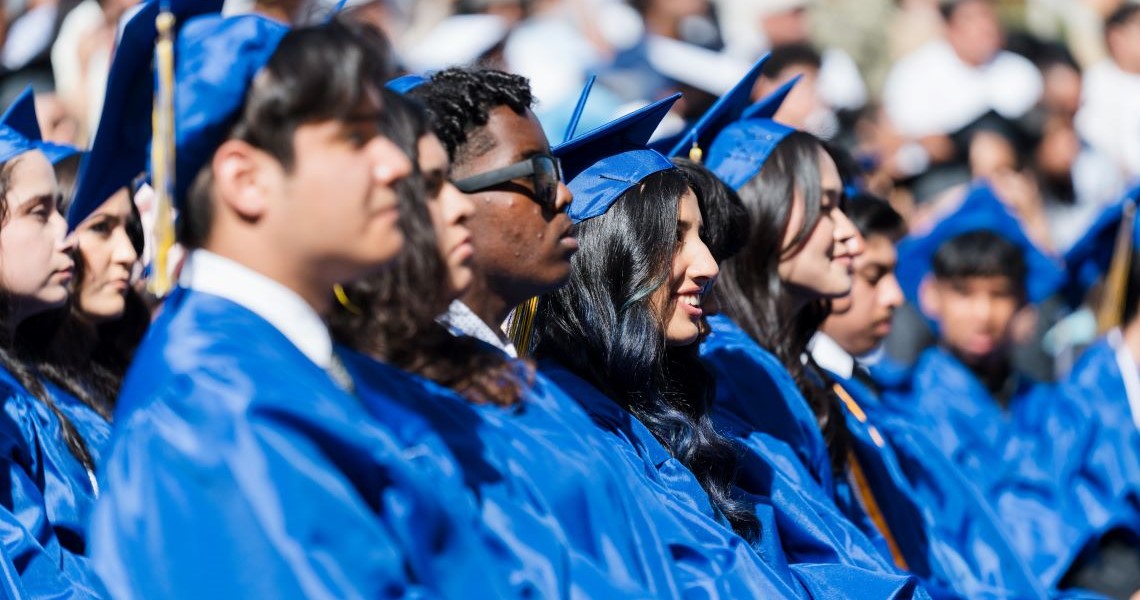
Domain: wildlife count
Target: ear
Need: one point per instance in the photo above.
(242, 176)
(929, 297)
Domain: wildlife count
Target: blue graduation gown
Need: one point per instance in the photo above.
(238, 469)
(540, 485)
(1009, 456)
(946, 531)
(759, 406)
(47, 557)
(744, 568)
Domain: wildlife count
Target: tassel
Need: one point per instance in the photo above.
(521, 326)
(162, 154)
(1110, 313)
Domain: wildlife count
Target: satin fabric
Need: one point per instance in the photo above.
(1021, 459)
(45, 553)
(761, 570)
(238, 469)
(784, 458)
(540, 485)
(945, 529)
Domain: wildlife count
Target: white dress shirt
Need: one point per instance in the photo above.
(461, 320)
(285, 310)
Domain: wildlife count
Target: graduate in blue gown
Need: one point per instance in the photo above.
(944, 527)
(1015, 439)
(758, 402)
(620, 338)
(539, 481)
(46, 488)
(241, 464)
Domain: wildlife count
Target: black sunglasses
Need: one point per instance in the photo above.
(544, 170)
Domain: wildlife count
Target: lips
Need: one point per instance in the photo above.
(690, 302)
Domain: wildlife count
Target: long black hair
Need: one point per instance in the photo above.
(603, 327)
(756, 298)
(391, 315)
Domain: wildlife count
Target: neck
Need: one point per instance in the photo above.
(305, 280)
(993, 371)
(492, 307)
(1131, 335)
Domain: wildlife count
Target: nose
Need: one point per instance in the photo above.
(563, 198)
(389, 162)
(890, 292)
(457, 206)
(65, 242)
(124, 251)
(703, 268)
(846, 233)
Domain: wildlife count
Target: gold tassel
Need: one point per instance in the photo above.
(1110, 313)
(342, 298)
(162, 155)
(695, 153)
(522, 326)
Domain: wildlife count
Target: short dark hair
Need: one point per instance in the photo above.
(317, 73)
(1121, 16)
(874, 216)
(947, 8)
(460, 100)
(981, 253)
(787, 55)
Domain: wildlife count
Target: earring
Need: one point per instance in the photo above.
(342, 298)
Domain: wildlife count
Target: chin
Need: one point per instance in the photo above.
(682, 338)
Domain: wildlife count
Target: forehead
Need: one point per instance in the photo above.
(432, 153)
(31, 175)
(879, 250)
(506, 138)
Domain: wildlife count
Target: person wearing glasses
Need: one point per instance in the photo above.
(501, 158)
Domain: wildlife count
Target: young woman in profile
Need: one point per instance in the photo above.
(49, 484)
(622, 339)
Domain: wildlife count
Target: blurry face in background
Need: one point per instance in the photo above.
(975, 314)
(449, 209)
(1062, 92)
(677, 9)
(108, 259)
(861, 320)
(974, 32)
(786, 26)
(56, 124)
(1124, 44)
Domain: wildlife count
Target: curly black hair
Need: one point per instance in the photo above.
(460, 100)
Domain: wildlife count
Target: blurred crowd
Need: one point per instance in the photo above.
(1035, 95)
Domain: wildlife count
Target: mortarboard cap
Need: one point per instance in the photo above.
(727, 109)
(406, 83)
(1089, 259)
(13, 144)
(980, 211)
(739, 148)
(599, 166)
(119, 151)
(21, 116)
(218, 58)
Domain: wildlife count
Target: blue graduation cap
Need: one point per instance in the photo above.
(406, 83)
(740, 146)
(599, 166)
(21, 116)
(13, 144)
(980, 211)
(1090, 258)
(218, 58)
(727, 109)
(119, 152)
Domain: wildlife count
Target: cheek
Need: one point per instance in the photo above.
(25, 258)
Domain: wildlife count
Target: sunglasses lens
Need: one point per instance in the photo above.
(546, 180)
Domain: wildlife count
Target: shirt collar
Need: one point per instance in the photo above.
(461, 320)
(829, 355)
(286, 311)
